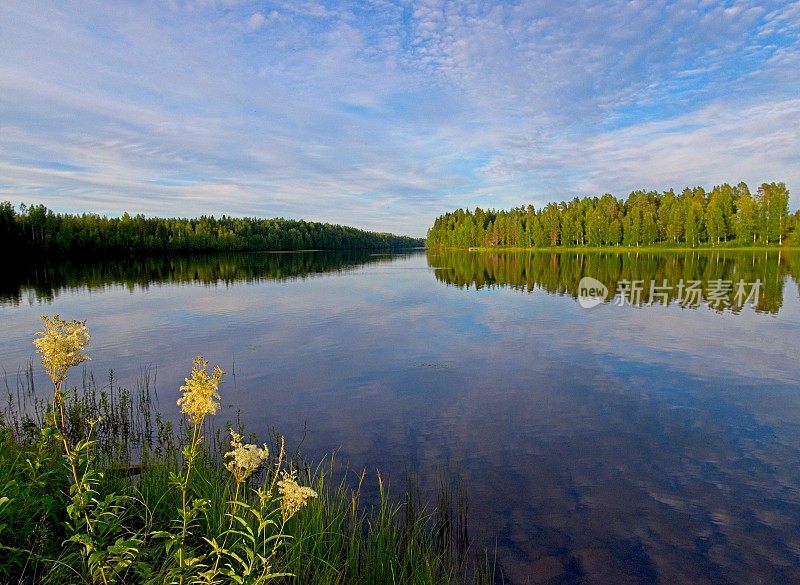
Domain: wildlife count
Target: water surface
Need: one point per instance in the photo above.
(626, 443)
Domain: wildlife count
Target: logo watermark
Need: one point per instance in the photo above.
(717, 294)
(591, 292)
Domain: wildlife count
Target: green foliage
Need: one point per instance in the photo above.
(75, 509)
(691, 219)
(34, 487)
(793, 226)
(773, 211)
(38, 229)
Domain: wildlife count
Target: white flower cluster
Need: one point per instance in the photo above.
(244, 458)
(200, 392)
(61, 344)
(294, 495)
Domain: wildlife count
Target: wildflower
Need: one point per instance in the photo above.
(245, 459)
(200, 393)
(294, 495)
(60, 344)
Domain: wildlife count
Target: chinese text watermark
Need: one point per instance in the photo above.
(717, 293)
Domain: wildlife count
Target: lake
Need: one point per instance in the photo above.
(648, 434)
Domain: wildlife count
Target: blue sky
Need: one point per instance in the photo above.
(384, 114)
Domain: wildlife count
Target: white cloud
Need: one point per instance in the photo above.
(256, 21)
(385, 114)
(717, 143)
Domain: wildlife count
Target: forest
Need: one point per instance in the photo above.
(38, 229)
(727, 215)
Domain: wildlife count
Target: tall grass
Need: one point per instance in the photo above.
(118, 494)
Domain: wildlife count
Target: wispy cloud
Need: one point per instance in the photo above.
(384, 114)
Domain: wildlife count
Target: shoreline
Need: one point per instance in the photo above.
(623, 249)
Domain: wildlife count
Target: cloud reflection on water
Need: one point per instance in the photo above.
(613, 445)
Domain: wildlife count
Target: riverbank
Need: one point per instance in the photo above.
(625, 249)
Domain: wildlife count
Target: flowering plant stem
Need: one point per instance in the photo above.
(191, 454)
(81, 489)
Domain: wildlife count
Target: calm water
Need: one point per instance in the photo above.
(617, 444)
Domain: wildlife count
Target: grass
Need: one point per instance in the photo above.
(96, 487)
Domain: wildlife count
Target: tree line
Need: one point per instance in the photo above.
(726, 214)
(36, 228)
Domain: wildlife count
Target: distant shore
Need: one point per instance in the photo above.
(626, 249)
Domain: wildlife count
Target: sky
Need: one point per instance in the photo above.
(385, 114)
